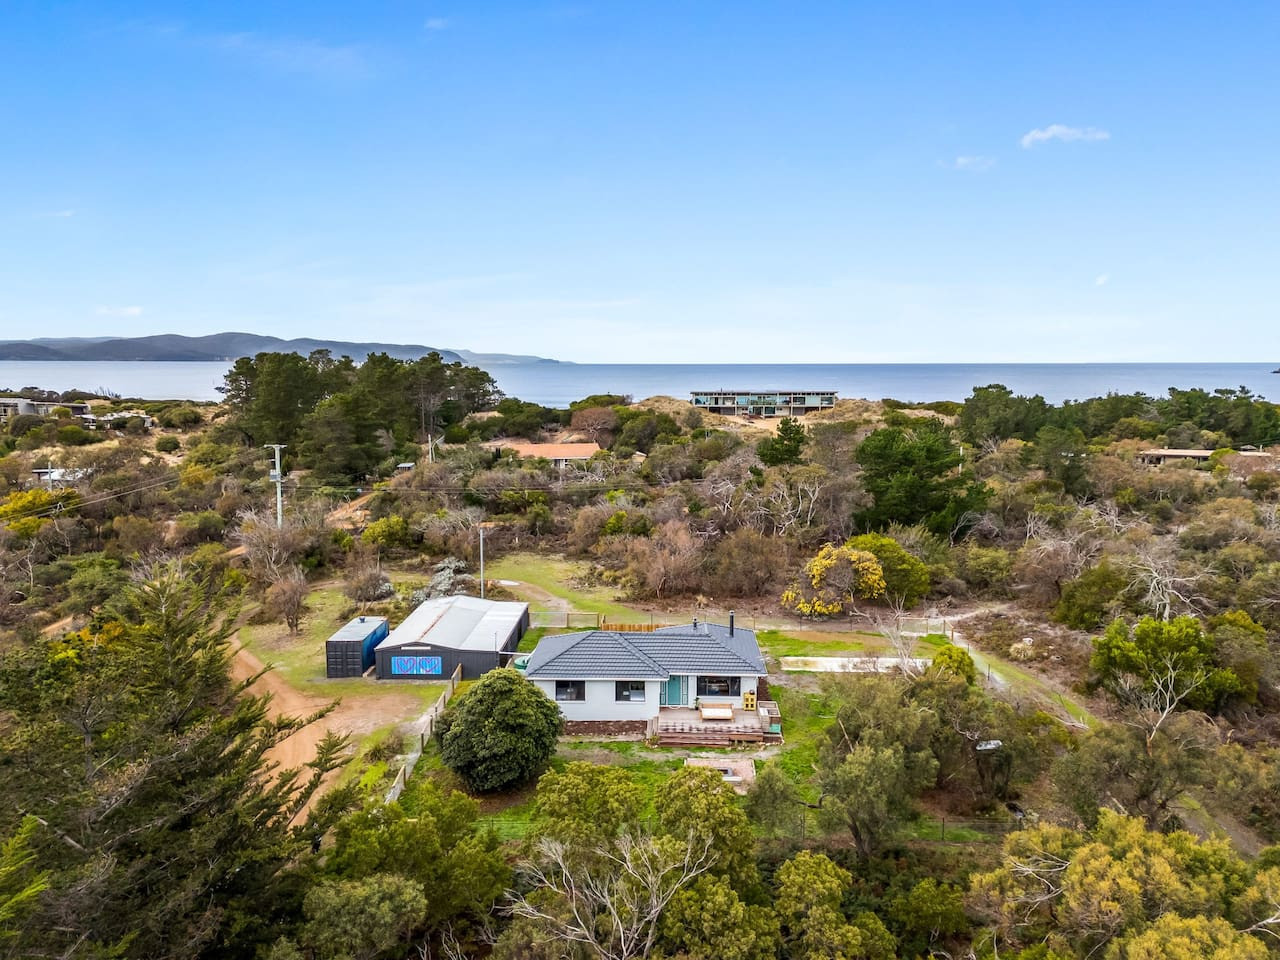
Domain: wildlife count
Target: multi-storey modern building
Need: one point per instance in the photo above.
(774, 403)
(11, 407)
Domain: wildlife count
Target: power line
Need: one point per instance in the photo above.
(38, 513)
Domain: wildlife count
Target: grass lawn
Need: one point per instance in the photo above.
(300, 660)
(805, 717)
(530, 639)
(831, 643)
(818, 643)
(563, 579)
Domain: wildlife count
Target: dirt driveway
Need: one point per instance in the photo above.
(356, 717)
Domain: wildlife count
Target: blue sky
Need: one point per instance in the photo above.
(710, 181)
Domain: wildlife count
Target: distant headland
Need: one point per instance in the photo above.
(226, 347)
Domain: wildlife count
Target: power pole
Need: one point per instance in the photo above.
(482, 563)
(277, 477)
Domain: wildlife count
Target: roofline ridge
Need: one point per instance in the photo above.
(582, 635)
(729, 650)
(640, 653)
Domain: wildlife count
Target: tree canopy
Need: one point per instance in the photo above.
(500, 733)
(911, 474)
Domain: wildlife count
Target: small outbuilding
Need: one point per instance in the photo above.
(447, 632)
(349, 652)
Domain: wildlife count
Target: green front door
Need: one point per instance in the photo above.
(676, 692)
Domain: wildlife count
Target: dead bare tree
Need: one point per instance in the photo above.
(595, 422)
(1106, 513)
(789, 499)
(1269, 516)
(666, 562)
(889, 624)
(610, 900)
(1160, 581)
(1051, 556)
(287, 597)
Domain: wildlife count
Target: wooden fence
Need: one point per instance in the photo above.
(564, 619)
(423, 728)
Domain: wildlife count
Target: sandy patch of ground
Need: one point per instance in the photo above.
(357, 717)
(59, 626)
(352, 513)
(738, 772)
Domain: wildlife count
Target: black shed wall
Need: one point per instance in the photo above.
(475, 663)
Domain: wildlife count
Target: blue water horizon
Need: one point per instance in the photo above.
(558, 384)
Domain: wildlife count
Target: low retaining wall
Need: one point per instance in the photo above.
(607, 728)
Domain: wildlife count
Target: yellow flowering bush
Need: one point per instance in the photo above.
(26, 511)
(833, 579)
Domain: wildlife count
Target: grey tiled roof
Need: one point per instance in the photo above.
(601, 654)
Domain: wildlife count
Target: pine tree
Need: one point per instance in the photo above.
(164, 826)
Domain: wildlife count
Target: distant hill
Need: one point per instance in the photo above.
(224, 346)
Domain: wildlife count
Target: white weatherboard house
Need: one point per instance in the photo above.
(604, 675)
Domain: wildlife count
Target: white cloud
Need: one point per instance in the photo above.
(290, 55)
(56, 214)
(973, 164)
(1058, 131)
(436, 23)
(1102, 279)
(283, 54)
(119, 311)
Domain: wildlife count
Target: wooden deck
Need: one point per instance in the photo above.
(678, 726)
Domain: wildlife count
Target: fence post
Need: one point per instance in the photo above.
(943, 836)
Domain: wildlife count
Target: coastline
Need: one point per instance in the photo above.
(557, 384)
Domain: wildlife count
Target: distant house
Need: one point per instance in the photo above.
(695, 675)
(771, 403)
(11, 407)
(560, 454)
(1163, 455)
(106, 421)
(447, 632)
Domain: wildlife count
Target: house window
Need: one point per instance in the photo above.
(629, 691)
(719, 686)
(571, 689)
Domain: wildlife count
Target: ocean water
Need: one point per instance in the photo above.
(557, 384)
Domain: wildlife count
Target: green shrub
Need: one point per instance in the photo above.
(1089, 599)
(502, 733)
(906, 578)
(955, 660)
(985, 568)
(24, 423)
(75, 436)
(167, 444)
(392, 531)
(181, 418)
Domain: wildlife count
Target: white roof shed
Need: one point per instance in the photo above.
(459, 623)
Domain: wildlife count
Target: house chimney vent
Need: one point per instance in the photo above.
(731, 623)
